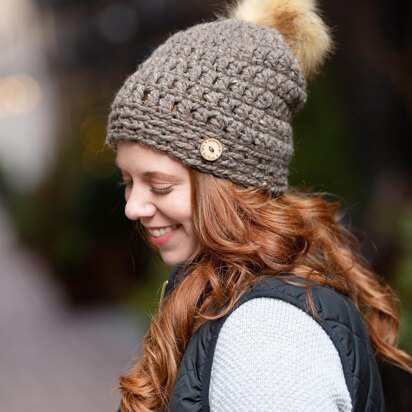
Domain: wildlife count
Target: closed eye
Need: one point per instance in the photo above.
(156, 190)
(161, 190)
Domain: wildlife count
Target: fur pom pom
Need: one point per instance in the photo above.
(299, 23)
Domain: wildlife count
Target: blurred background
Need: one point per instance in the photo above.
(77, 286)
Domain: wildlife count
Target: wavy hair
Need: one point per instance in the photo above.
(242, 236)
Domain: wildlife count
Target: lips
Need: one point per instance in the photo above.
(161, 231)
(161, 235)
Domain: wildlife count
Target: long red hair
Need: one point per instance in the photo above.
(243, 235)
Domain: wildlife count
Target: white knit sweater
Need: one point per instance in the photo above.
(272, 356)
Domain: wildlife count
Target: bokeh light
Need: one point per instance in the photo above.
(19, 93)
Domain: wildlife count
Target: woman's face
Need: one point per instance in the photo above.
(158, 193)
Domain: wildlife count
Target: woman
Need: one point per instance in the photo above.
(270, 307)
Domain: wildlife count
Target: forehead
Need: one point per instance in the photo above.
(135, 158)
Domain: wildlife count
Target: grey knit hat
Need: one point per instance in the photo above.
(220, 98)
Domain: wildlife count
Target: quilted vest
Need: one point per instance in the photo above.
(335, 313)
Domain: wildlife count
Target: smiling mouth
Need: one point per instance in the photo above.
(162, 230)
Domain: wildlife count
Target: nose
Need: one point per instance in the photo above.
(138, 206)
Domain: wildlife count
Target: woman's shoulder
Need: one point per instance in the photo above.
(296, 289)
(334, 325)
(336, 313)
(269, 322)
(280, 348)
(270, 331)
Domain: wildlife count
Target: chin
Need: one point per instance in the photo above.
(170, 260)
(173, 259)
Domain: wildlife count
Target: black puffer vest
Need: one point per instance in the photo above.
(337, 316)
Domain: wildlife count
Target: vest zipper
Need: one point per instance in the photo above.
(162, 292)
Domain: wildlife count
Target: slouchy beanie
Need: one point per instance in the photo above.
(220, 96)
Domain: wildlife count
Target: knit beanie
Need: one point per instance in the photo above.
(220, 96)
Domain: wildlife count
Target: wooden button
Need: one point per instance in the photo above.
(211, 149)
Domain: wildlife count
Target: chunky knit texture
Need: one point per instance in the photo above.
(228, 80)
(272, 356)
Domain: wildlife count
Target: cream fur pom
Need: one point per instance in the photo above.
(299, 23)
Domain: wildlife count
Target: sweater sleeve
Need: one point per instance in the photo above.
(272, 356)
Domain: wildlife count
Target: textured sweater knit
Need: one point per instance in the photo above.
(272, 356)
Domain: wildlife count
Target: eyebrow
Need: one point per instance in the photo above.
(156, 175)
(161, 176)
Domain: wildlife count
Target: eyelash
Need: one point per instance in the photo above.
(155, 190)
(161, 191)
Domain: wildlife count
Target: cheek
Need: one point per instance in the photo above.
(184, 215)
(180, 208)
